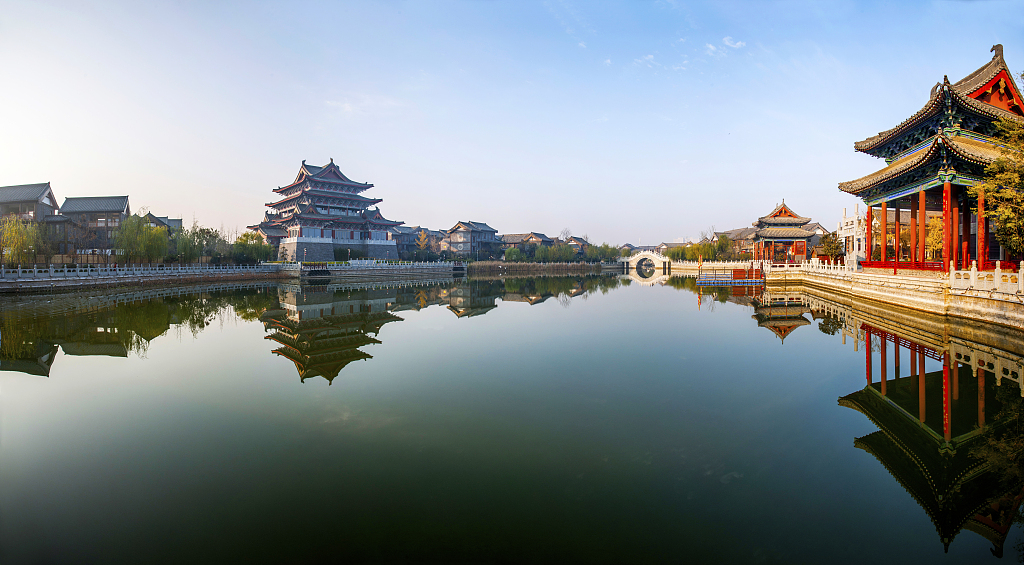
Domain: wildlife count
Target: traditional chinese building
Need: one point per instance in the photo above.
(323, 210)
(782, 236)
(931, 159)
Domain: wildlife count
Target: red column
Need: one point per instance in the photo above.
(913, 229)
(884, 232)
(920, 386)
(882, 363)
(867, 237)
(981, 397)
(922, 217)
(867, 354)
(946, 227)
(982, 235)
(896, 228)
(945, 396)
(954, 237)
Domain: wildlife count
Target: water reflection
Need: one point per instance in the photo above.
(320, 328)
(945, 396)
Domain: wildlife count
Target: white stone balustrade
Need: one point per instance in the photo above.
(1008, 282)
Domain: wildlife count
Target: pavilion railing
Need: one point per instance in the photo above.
(900, 265)
(997, 280)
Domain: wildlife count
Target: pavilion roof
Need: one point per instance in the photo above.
(971, 150)
(782, 214)
(327, 173)
(336, 195)
(959, 92)
(786, 232)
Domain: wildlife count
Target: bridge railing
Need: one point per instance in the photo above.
(370, 264)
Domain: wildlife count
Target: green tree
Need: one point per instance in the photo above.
(514, 255)
(18, 240)
(138, 241)
(1003, 189)
(831, 245)
(249, 248)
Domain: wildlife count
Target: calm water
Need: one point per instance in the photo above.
(581, 420)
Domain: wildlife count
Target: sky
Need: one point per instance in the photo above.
(636, 122)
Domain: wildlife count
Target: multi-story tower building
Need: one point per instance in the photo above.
(323, 210)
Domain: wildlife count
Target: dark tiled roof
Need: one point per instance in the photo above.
(970, 150)
(671, 244)
(513, 237)
(94, 204)
(55, 219)
(476, 226)
(738, 233)
(784, 232)
(23, 192)
(794, 219)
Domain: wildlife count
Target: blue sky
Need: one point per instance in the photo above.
(625, 121)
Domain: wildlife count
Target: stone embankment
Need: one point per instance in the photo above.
(526, 269)
(987, 297)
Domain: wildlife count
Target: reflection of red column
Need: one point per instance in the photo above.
(881, 362)
(896, 359)
(867, 355)
(956, 380)
(981, 397)
(920, 385)
(945, 396)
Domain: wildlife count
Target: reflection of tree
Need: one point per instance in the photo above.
(830, 325)
(1003, 451)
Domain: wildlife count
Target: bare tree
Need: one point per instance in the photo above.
(565, 234)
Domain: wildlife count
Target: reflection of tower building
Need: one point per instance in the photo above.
(929, 426)
(322, 331)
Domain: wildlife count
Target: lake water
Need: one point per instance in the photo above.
(570, 420)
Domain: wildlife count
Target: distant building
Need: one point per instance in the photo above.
(467, 238)
(28, 201)
(406, 238)
(323, 210)
(577, 243)
(98, 216)
(852, 231)
(741, 240)
(518, 240)
(664, 247)
(782, 236)
(172, 224)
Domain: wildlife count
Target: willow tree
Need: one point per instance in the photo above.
(137, 240)
(18, 240)
(1003, 189)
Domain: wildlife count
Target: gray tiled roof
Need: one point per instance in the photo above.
(478, 226)
(23, 192)
(94, 204)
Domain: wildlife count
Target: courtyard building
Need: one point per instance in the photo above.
(783, 236)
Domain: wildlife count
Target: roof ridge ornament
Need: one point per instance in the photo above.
(998, 49)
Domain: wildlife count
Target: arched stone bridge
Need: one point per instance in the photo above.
(648, 264)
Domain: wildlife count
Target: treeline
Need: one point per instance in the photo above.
(560, 253)
(707, 250)
(135, 241)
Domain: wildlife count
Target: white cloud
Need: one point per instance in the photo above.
(583, 45)
(710, 49)
(607, 62)
(732, 43)
(647, 61)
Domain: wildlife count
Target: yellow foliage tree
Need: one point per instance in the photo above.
(422, 242)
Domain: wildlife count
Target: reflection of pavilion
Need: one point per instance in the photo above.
(780, 314)
(321, 331)
(931, 389)
(929, 424)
